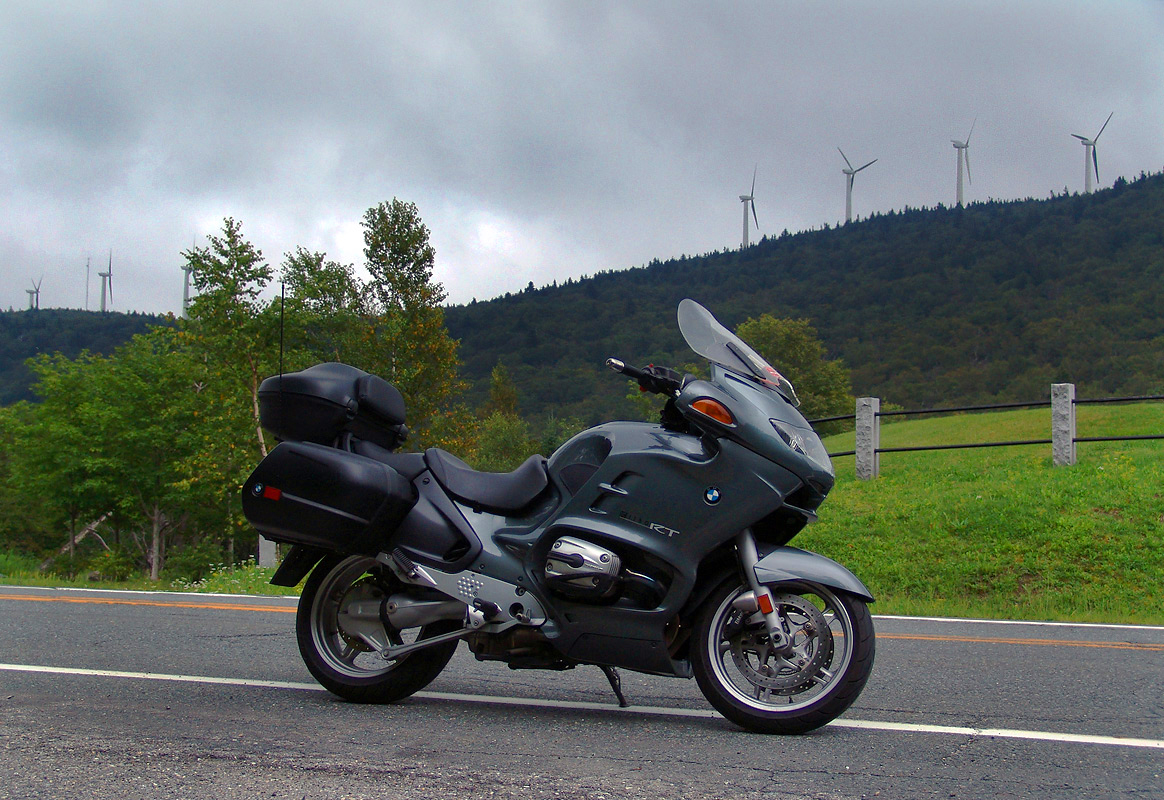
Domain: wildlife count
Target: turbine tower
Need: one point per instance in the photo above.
(963, 149)
(1089, 157)
(186, 292)
(850, 172)
(107, 280)
(32, 293)
(749, 200)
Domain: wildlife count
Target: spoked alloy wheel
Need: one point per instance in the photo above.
(341, 646)
(751, 684)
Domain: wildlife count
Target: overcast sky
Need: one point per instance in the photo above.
(540, 140)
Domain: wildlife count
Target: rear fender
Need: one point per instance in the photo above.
(296, 564)
(786, 564)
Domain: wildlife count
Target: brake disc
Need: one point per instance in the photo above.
(811, 641)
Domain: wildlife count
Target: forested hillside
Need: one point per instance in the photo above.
(24, 334)
(990, 302)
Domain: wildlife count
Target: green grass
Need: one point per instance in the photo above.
(1000, 532)
(995, 532)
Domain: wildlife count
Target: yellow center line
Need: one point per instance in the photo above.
(156, 603)
(1153, 648)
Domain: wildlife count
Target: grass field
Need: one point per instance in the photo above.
(995, 532)
(1000, 532)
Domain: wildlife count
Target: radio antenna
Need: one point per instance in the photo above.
(282, 308)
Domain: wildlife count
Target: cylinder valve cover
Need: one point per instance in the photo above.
(580, 569)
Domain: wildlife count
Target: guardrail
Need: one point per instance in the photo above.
(1063, 439)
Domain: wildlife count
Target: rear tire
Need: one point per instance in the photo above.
(833, 641)
(346, 665)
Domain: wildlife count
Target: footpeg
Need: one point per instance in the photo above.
(490, 610)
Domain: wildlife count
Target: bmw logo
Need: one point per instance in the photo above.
(711, 495)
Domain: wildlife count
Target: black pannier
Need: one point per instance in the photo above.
(323, 402)
(308, 494)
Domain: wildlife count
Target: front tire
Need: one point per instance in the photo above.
(758, 689)
(343, 661)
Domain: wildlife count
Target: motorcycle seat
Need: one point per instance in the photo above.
(410, 465)
(500, 492)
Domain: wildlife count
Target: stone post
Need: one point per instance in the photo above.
(1062, 424)
(868, 438)
(267, 554)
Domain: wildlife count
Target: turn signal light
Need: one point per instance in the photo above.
(714, 409)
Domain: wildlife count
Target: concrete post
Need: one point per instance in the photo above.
(1062, 424)
(868, 438)
(267, 554)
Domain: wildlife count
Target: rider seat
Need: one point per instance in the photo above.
(498, 492)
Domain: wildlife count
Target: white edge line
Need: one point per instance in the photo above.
(857, 724)
(904, 618)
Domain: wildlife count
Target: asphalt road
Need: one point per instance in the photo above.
(137, 695)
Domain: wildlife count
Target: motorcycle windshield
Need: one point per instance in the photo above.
(717, 344)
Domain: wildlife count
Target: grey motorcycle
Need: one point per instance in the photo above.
(660, 548)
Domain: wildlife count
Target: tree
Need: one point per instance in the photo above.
(502, 393)
(411, 348)
(792, 346)
(57, 456)
(326, 313)
(148, 407)
(230, 326)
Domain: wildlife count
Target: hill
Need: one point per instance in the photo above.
(992, 302)
(24, 334)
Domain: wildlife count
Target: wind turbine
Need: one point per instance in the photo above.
(963, 149)
(107, 279)
(850, 172)
(1089, 158)
(749, 199)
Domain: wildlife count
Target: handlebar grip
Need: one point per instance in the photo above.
(625, 369)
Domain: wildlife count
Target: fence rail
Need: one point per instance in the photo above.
(1063, 434)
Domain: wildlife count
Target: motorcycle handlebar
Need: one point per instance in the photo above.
(648, 379)
(625, 369)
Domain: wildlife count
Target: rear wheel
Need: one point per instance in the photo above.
(341, 646)
(796, 691)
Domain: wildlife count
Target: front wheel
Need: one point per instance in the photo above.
(807, 686)
(341, 645)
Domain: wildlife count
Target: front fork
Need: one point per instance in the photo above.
(746, 547)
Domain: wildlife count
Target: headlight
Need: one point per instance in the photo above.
(791, 437)
(806, 443)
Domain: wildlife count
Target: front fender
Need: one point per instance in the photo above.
(791, 564)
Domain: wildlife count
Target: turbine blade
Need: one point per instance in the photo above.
(966, 155)
(1104, 126)
(1080, 138)
(753, 192)
(842, 152)
(871, 163)
(972, 124)
(754, 219)
(1095, 162)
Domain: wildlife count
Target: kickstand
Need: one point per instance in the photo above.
(615, 683)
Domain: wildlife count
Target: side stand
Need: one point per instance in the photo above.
(615, 683)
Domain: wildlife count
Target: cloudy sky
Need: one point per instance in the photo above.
(540, 140)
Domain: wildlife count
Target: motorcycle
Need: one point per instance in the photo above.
(659, 548)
